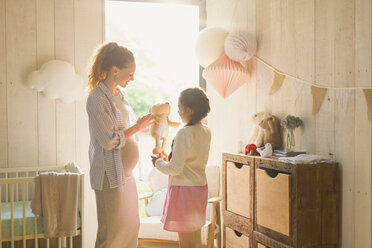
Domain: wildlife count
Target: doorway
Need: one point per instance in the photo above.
(161, 34)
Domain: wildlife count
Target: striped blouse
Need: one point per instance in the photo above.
(106, 130)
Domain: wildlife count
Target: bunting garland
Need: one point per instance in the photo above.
(318, 98)
(277, 84)
(368, 96)
(318, 92)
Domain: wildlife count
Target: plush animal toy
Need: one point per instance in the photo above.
(265, 151)
(251, 149)
(159, 130)
(266, 131)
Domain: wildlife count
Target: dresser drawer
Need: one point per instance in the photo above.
(238, 186)
(260, 240)
(235, 239)
(273, 200)
(277, 245)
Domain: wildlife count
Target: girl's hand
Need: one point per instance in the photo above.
(161, 155)
(154, 158)
(145, 121)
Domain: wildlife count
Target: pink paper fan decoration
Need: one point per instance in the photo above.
(225, 75)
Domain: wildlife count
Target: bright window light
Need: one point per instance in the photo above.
(162, 38)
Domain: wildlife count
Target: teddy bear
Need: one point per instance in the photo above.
(267, 130)
(159, 129)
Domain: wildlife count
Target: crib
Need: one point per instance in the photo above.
(19, 226)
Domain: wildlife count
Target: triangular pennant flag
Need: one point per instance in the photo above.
(318, 97)
(278, 82)
(368, 95)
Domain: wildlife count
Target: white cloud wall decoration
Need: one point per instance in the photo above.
(57, 79)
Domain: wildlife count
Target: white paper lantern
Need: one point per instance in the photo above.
(210, 45)
(240, 46)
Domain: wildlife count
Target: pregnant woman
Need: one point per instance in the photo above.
(113, 150)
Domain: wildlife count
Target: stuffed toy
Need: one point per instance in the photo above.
(265, 151)
(159, 130)
(267, 130)
(250, 149)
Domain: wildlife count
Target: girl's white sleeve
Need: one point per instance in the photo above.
(176, 164)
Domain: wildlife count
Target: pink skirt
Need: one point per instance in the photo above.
(184, 208)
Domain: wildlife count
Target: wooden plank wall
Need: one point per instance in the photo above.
(324, 42)
(21, 102)
(35, 130)
(3, 90)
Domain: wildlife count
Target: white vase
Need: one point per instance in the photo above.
(290, 140)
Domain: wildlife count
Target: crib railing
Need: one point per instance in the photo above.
(17, 185)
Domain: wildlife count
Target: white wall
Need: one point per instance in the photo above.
(327, 42)
(34, 130)
(324, 41)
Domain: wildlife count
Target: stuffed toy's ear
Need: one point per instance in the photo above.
(268, 124)
(258, 117)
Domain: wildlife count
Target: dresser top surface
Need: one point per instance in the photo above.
(241, 157)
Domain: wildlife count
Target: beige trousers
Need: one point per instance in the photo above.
(118, 217)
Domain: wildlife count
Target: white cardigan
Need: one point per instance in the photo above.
(189, 157)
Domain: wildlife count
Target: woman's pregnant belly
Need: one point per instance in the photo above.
(129, 156)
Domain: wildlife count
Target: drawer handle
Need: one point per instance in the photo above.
(274, 173)
(238, 165)
(271, 173)
(239, 234)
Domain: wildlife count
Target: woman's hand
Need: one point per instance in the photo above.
(145, 121)
(146, 130)
(142, 123)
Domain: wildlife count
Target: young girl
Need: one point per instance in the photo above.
(186, 201)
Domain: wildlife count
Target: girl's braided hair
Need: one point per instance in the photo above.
(196, 100)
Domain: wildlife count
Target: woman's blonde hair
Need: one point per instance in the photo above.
(106, 56)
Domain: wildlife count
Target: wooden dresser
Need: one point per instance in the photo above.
(267, 203)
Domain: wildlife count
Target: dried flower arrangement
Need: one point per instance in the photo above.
(290, 123)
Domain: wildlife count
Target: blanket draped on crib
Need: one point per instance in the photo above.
(55, 198)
